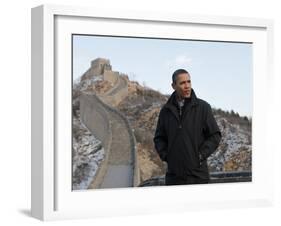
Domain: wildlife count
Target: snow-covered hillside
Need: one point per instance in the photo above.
(235, 149)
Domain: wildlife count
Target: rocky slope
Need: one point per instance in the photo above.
(235, 150)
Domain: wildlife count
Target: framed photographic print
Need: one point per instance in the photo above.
(99, 81)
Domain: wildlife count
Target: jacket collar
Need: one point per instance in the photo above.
(172, 104)
(172, 101)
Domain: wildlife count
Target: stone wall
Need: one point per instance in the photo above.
(94, 116)
(133, 142)
(96, 119)
(101, 63)
(110, 76)
(114, 96)
(95, 113)
(98, 67)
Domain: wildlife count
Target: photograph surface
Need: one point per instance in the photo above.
(120, 85)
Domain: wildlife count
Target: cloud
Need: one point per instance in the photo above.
(181, 61)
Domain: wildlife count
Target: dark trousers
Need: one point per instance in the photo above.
(171, 179)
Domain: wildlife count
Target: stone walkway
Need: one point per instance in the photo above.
(120, 165)
(121, 83)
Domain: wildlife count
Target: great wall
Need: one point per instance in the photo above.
(98, 113)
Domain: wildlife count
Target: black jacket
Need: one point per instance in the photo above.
(186, 140)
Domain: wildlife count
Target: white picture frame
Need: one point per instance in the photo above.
(52, 197)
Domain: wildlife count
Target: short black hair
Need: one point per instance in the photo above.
(176, 73)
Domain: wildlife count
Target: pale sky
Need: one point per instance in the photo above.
(221, 72)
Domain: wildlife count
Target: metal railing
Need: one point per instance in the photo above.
(215, 177)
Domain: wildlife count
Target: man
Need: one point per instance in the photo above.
(186, 134)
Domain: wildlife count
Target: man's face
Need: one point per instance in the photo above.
(182, 85)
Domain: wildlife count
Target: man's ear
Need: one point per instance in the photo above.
(173, 86)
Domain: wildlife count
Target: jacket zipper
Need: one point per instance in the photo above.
(180, 126)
